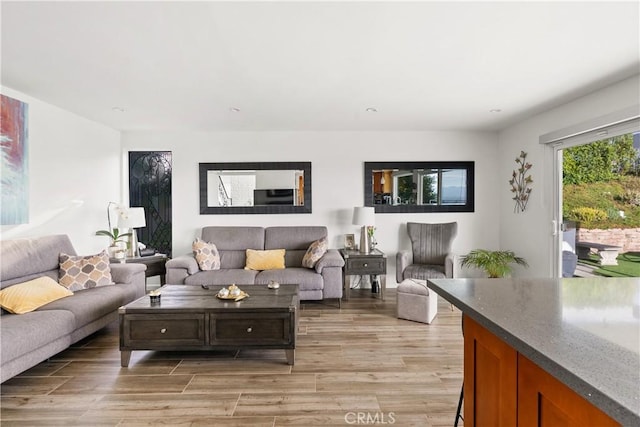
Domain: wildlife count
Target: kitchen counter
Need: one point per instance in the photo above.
(585, 332)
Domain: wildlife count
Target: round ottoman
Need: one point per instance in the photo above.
(415, 301)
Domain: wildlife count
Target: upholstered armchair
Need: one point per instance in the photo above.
(431, 255)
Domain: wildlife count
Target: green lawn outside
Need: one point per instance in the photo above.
(628, 265)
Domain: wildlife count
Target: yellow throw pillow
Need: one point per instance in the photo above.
(27, 296)
(265, 260)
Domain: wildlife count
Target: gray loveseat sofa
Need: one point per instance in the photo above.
(30, 338)
(324, 281)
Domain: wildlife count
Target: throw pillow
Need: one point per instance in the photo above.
(206, 254)
(265, 260)
(27, 296)
(316, 250)
(84, 272)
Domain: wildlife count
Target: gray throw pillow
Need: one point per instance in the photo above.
(316, 250)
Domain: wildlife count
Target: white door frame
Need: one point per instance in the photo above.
(614, 124)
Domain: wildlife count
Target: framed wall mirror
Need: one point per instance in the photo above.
(255, 188)
(408, 187)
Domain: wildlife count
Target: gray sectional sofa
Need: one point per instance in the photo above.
(30, 338)
(324, 281)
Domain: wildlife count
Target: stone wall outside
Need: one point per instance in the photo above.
(627, 238)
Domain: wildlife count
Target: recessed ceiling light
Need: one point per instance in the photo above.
(118, 109)
(495, 110)
(371, 110)
(234, 109)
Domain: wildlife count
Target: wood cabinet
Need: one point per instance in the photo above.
(168, 331)
(490, 378)
(543, 401)
(207, 331)
(504, 388)
(357, 263)
(193, 318)
(264, 329)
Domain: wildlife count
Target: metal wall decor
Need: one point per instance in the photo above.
(520, 182)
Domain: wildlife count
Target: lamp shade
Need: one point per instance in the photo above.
(132, 218)
(364, 215)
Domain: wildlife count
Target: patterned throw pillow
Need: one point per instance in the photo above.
(206, 254)
(272, 259)
(84, 272)
(316, 250)
(27, 296)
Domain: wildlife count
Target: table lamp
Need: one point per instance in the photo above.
(364, 216)
(133, 218)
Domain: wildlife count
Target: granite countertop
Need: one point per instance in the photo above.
(583, 331)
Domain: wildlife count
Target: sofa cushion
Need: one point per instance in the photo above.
(28, 296)
(234, 238)
(25, 333)
(265, 260)
(424, 272)
(305, 278)
(292, 237)
(316, 250)
(84, 272)
(233, 259)
(222, 277)
(24, 259)
(206, 255)
(91, 304)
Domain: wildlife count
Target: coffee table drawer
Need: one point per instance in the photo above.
(163, 330)
(254, 329)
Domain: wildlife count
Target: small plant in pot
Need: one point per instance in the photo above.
(116, 238)
(494, 263)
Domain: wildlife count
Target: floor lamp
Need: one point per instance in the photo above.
(133, 218)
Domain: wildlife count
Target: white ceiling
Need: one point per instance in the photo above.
(315, 65)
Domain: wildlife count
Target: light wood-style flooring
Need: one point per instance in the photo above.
(358, 365)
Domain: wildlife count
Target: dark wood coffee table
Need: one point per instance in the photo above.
(193, 318)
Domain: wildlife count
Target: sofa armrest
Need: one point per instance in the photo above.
(130, 274)
(179, 268)
(125, 273)
(403, 260)
(449, 261)
(331, 258)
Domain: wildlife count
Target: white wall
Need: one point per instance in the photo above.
(529, 234)
(337, 179)
(74, 171)
(76, 166)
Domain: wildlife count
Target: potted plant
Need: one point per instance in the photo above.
(116, 238)
(494, 263)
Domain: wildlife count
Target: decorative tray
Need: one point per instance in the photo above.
(242, 295)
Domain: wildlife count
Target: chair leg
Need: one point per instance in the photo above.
(458, 415)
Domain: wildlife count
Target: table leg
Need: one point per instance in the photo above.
(125, 358)
(291, 356)
(382, 279)
(347, 286)
(608, 257)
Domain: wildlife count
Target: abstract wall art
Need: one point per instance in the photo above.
(14, 161)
